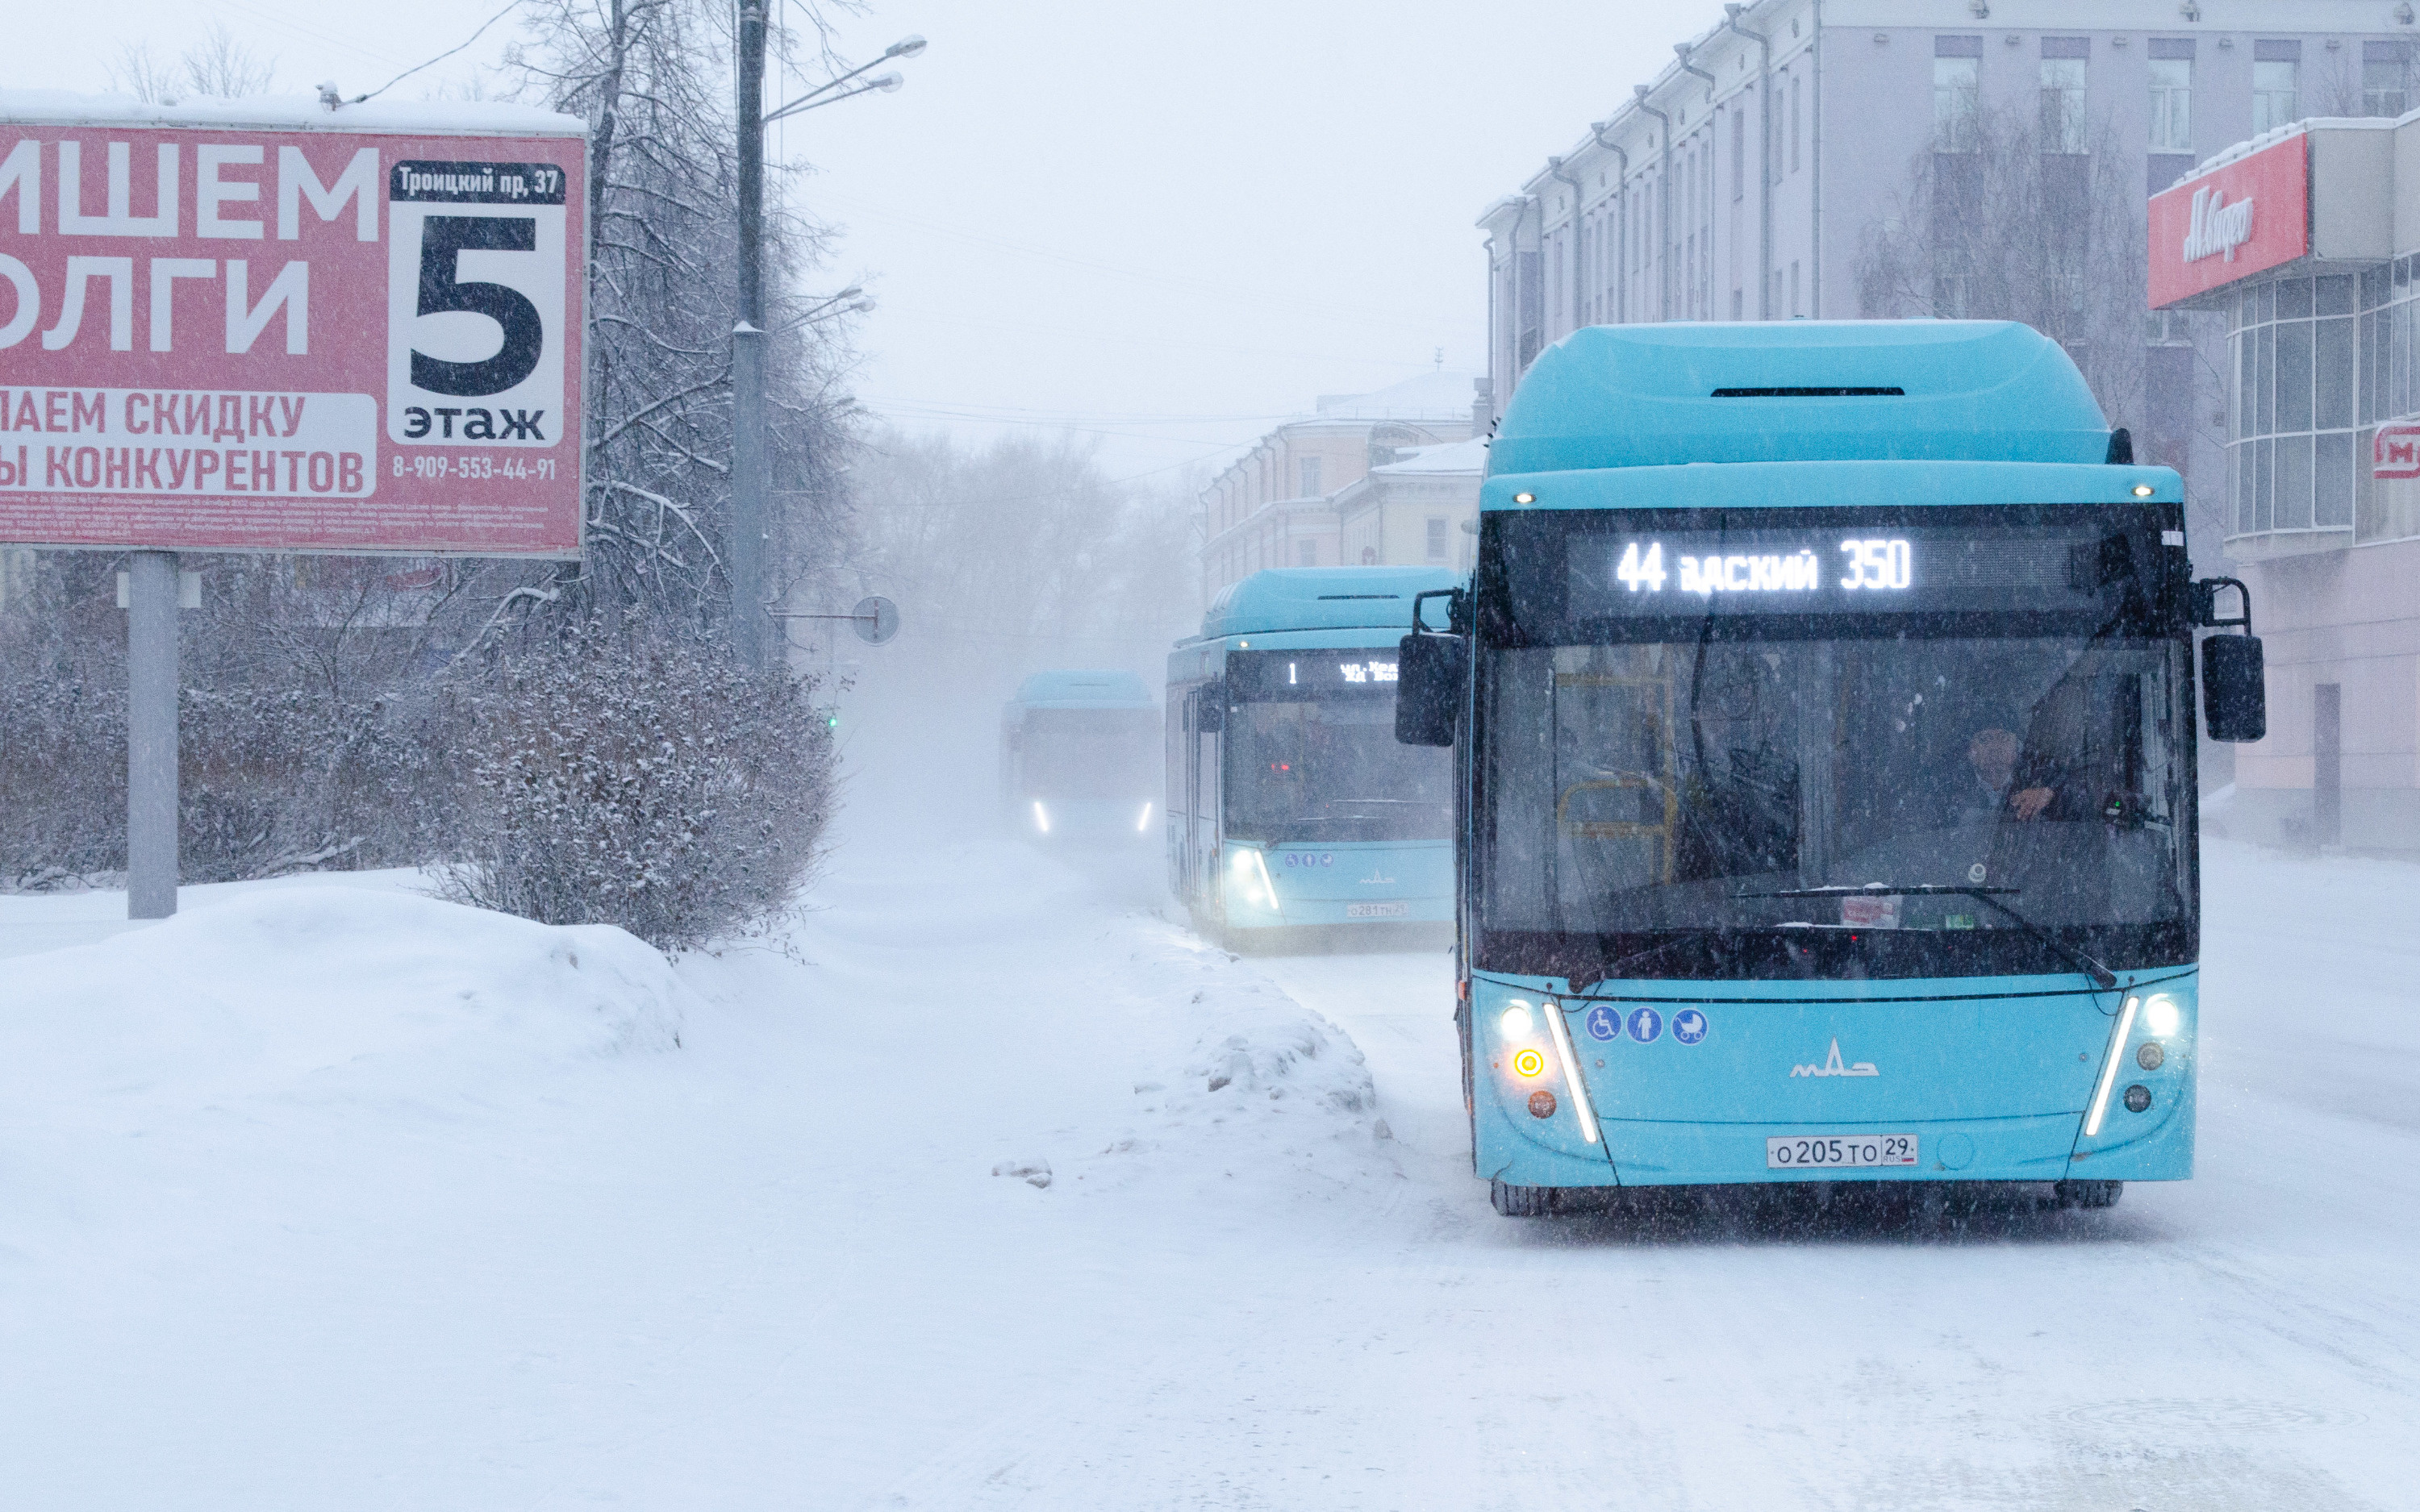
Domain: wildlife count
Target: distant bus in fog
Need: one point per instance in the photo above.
(1290, 804)
(1079, 757)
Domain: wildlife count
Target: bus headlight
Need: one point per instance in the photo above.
(1142, 826)
(1252, 878)
(1041, 817)
(2159, 1014)
(1516, 1023)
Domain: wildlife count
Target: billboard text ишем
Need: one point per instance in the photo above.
(290, 339)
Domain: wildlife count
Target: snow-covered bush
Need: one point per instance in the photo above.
(271, 780)
(62, 779)
(647, 781)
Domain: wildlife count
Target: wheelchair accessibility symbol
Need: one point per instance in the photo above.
(1604, 1022)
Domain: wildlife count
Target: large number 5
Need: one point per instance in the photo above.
(442, 240)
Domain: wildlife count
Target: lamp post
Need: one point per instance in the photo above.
(744, 550)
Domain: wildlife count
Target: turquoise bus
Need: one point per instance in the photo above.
(1292, 809)
(1823, 704)
(1079, 758)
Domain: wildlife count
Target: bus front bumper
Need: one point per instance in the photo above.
(1984, 1084)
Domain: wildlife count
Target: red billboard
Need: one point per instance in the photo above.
(2232, 221)
(350, 337)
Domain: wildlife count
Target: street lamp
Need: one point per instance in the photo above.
(858, 303)
(744, 556)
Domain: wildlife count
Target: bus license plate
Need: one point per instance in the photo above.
(1376, 910)
(1834, 1151)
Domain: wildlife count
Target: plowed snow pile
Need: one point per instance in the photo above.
(317, 994)
(1268, 1093)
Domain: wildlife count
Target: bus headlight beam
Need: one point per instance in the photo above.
(1562, 1034)
(2109, 1065)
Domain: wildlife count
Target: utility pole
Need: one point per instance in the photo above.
(151, 594)
(744, 544)
(744, 547)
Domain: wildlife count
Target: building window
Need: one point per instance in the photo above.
(1309, 469)
(2273, 89)
(1306, 553)
(1437, 538)
(2382, 87)
(2297, 402)
(1794, 291)
(1775, 124)
(2171, 103)
(1957, 83)
(1739, 304)
(1739, 155)
(2062, 93)
(1797, 95)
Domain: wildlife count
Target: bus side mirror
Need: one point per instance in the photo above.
(1431, 669)
(2234, 688)
(2234, 678)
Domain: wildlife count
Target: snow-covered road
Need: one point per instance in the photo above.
(773, 1267)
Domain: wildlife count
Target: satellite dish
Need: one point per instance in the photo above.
(877, 619)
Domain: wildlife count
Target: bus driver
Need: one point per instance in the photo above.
(1992, 755)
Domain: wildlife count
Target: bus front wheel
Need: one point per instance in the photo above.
(2089, 1193)
(1522, 1201)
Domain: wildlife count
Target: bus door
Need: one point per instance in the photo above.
(1203, 708)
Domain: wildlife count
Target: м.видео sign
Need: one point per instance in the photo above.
(355, 334)
(2231, 221)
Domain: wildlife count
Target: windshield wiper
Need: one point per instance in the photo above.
(2099, 975)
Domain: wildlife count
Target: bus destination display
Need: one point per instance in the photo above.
(1831, 571)
(1299, 674)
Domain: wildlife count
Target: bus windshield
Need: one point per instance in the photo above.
(1312, 756)
(1688, 787)
(1075, 754)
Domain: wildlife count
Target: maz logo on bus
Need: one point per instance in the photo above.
(1871, 564)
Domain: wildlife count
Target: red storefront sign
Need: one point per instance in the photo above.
(2395, 451)
(290, 340)
(2232, 221)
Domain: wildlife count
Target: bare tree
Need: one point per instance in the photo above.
(2005, 231)
(136, 73)
(220, 65)
(1022, 554)
(653, 79)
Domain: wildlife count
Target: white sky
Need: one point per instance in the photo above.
(1162, 227)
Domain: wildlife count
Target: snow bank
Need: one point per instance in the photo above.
(318, 993)
(1268, 1093)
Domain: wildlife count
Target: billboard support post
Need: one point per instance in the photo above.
(152, 735)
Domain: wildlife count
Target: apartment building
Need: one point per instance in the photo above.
(1754, 175)
(1276, 505)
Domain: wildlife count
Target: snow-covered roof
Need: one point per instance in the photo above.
(2243, 149)
(1440, 395)
(1469, 456)
(292, 112)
